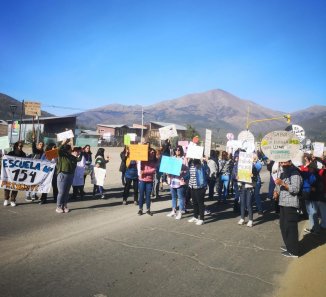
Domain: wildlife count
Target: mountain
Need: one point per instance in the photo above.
(5, 112)
(217, 110)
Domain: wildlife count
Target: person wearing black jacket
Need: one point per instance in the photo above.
(10, 194)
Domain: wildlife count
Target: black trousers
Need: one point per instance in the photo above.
(127, 189)
(289, 218)
(198, 196)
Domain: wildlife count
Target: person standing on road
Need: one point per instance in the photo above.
(44, 196)
(88, 164)
(288, 185)
(123, 167)
(11, 195)
(100, 162)
(177, 186)
(131, 176)
(146, 177)
(199, 172)
(257, 185)
(67, 162)
(225, 167)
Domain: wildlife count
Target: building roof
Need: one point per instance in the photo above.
(43, 119)
(113, 126)
(163, 124)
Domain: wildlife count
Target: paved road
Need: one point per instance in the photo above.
(102, 248)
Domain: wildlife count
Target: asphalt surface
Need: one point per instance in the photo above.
(102, 248)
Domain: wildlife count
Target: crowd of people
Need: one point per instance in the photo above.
(295, 190)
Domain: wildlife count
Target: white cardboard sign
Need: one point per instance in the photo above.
(65, 135)
(208, 143)
(195, 151)
(168, 132)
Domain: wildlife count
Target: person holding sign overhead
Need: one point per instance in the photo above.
(146, 176)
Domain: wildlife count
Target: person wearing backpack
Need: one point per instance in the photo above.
(286, 191)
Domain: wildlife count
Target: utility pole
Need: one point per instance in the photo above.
(142, 124)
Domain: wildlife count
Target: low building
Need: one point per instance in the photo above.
(3, 128)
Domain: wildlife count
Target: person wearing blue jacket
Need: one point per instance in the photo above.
(131, 176)
(257, 185)
(199, 172)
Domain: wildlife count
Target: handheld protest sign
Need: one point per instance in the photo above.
(318, 149)
(208, 143)
(65, 135)
(280, 146)
(126, 139)
(52, 154)
(171, 165)
(194, 151)
(4, 142)
(247, 140)
(276, 170)
(168, 132)
(138, 152)
(245, 167)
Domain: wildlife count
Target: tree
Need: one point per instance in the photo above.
(191, 132)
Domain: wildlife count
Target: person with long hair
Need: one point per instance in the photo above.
(198, 176)
(177, 186)
(146, 177)
(11, 195)
(44, 196)
(100, 162)
(87, 154)
(225, 166)
(123, 166)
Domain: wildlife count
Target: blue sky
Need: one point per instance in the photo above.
(86, 54)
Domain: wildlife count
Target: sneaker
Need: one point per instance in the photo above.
(66, 209)
(179, 215)
(13, 203)
(193, 220)
(6, 203)
(59, 210)
(135, 202)
(28, 199)
(289, 255)
(171, 214)
(200, 222)
(250, 223)
(207, 212)
(42, 202)
(140, 212)
(149, 212)
(124, 202)
(102, 197)
(310, 231)
(283, 248)
(241, 222)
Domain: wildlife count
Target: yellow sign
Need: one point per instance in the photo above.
(32, 108)
(138, 152)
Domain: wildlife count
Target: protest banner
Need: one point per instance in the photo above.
(297, 130)
(32, 108)
(138, 152)
(4, 142)
(24, 174)
(318, 149)
(126, 139)
(168, 132)
(99, 175)
(280, 146)
(245, 167)
(194, 151)
(52, 154)
(65, 135)
(208, 142)
(247, 140)
(133, 136)
(171, 165)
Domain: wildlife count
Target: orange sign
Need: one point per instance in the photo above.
(138, 152)
(51, 154)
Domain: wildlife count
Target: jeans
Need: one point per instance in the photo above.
(97, 189)
(145, 190)
(180, 192)
(322, 211)
(127, 189)
(156, 187)
(223, 184)
(289, 228)
(246, 202)
(257, 195)
(312, 210)
(198, 196)
(64, 182)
